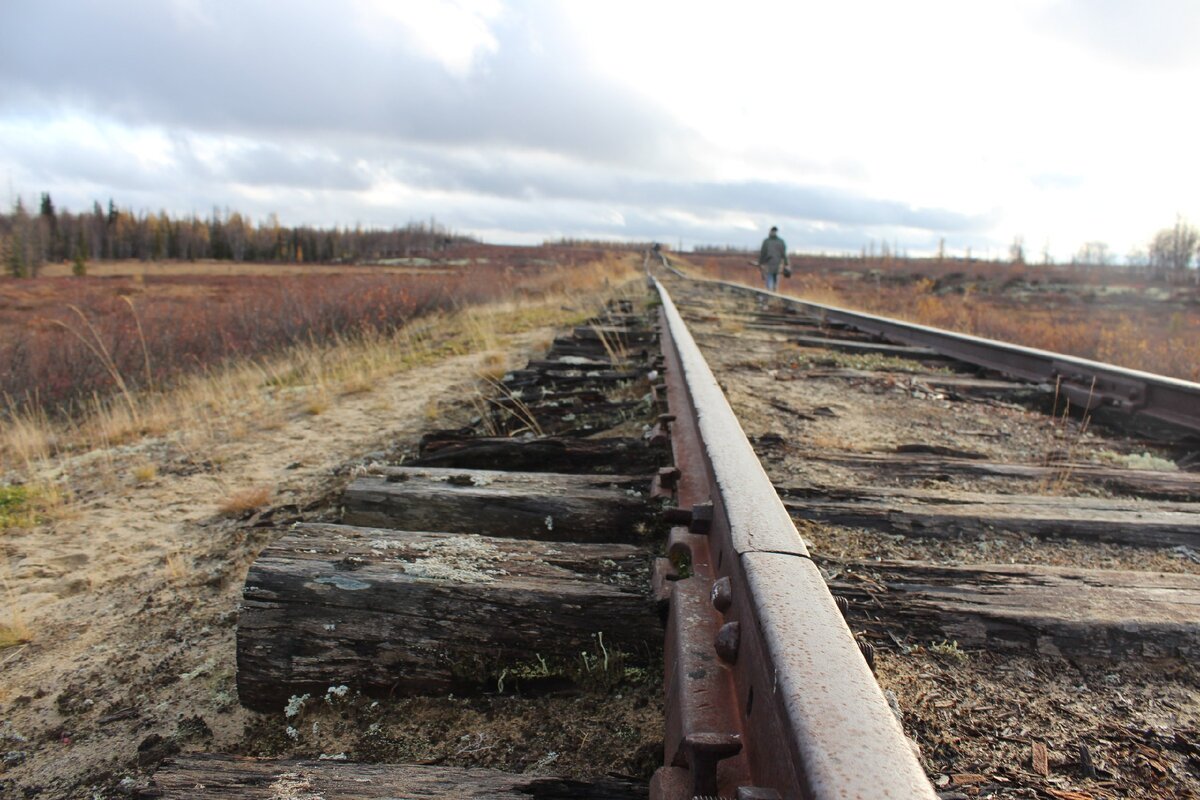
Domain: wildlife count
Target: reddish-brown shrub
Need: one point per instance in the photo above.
(1108, 314)
(52, 329)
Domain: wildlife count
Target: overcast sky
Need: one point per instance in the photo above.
(1062, 121)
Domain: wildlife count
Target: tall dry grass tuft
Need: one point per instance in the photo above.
(245, 500)
(27, 435)
(614, 348)
(14, 629)
(175, 565)
(142, 339)
(1064, 439)
(507, 404)
(96, 346)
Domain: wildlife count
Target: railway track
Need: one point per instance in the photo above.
(608, 501)
(1032, 600)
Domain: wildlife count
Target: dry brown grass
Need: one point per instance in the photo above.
(317, 404)
(1064, 436)
(1112, 316)
(14, 633)
(14, 630)
(200, 413)
(353, 386)
(66, 340)
(176, 567)
(245, 500)
(144, 473)
(493, 365)
(731, 325)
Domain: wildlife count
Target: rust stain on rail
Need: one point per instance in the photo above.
(767, 693)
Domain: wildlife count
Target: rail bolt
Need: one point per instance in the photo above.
(702, 517)
(668, 477)
(722, 594)
(728, 640)
(660, 435)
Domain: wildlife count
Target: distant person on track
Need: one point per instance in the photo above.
(772, 258)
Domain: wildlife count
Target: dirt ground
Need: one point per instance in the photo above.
(976, 715)
(131, 605)
(131, 602)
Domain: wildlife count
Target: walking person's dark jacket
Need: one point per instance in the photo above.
(773, 254)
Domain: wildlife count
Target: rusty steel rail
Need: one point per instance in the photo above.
(1087, 384)
(768, 694)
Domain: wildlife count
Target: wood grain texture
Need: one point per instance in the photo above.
(614, 335)
(1145, 483)
(545, 506)
(955, 386)
(562, 454)
(971, 515)
(417, 612)
(1063, 611)
(862, 346)
(239, 778)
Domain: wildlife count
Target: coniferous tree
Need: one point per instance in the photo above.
(116, 233)
(79, 264)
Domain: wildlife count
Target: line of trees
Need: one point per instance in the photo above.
(1174, 248)
(1171, 250)
(28, 240)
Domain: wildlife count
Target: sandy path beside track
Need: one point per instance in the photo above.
(132, 599)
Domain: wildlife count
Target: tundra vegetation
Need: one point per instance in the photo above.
(184, 353)
(136, 348)
(1142, 317)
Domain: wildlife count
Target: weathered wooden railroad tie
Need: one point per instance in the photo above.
(1002, 553)
(505, 549)
(1116, 614)
(259, 779)
(529, 535)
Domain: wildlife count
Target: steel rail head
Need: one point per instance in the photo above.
(1087, 383)
(814, 722)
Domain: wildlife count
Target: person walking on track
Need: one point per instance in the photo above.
(773, 257)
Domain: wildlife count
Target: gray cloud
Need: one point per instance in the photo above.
(44, 164)
(258, 67)
(291, 109)
(510, 177)
(272, 165)
(478, 188)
